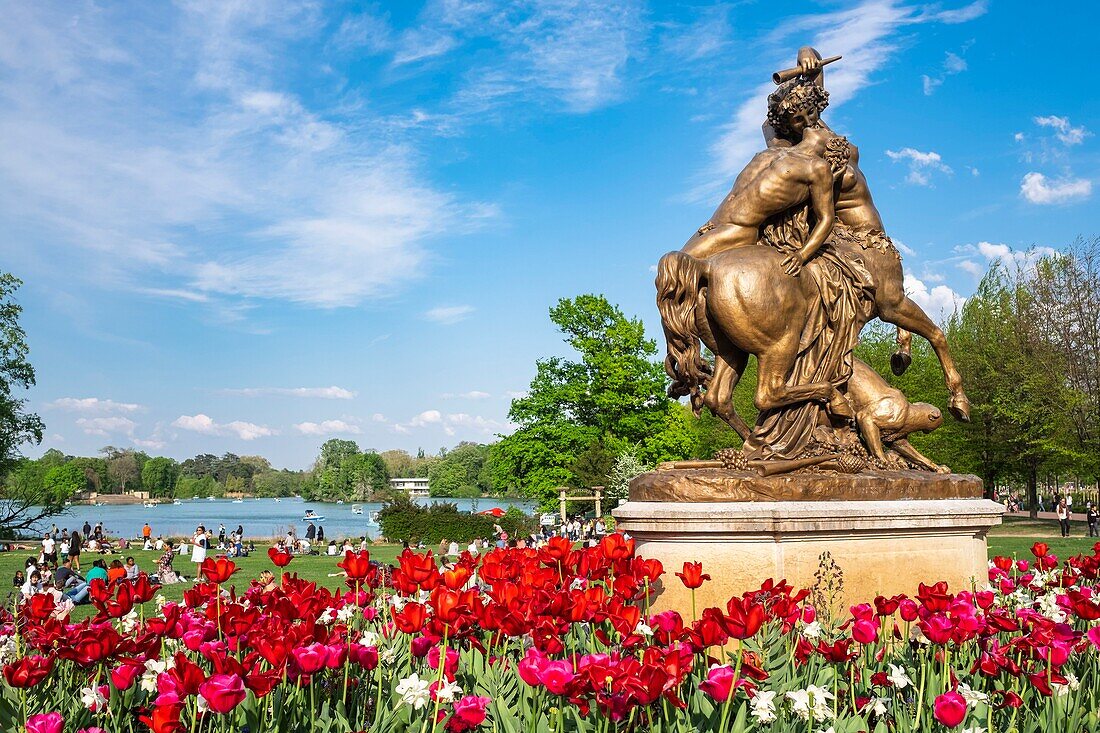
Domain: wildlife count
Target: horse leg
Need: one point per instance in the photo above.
(772, 391)
(908, 315)
(729, 365)
(903, 357)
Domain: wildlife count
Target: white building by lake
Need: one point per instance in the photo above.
(414, 487)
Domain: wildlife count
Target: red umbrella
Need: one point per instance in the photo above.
(495, 511)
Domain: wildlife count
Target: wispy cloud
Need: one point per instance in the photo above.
(474, 394)
(449, 314)
(938, 302)
(324, 393)
(201, 423)
(921, 164)
(451, 423)
(130, 188)
(1064, 130)
(1038, 189)
(953, 64)
(94, 404)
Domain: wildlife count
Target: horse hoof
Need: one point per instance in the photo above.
(899, 362)
(960, 408)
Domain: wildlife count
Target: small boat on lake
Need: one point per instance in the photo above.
(339, 501)
(311, 516)
(356, 509)
(149, 504)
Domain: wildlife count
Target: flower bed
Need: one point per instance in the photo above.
(557, 639)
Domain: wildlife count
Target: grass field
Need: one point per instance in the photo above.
(1013, 538)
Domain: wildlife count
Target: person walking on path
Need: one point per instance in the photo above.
(1063, 516)
(1092, 516)
(146, 531)
(1042, 506)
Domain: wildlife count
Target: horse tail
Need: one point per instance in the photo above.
(681, 280)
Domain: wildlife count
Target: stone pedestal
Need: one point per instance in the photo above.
(922, 528)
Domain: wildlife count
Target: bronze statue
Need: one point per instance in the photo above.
(791, 266)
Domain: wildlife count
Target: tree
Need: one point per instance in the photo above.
(159, 476)
(627, 467)
(614, 392)
(61, 482)
(19, 509)
(123, 468)
(460, 472)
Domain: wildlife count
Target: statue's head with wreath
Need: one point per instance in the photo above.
(794, 106)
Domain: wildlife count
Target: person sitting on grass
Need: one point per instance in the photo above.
(19, 579)
(31, 586)
(98, 571)
(166, 574)
(132, 570)
(116, 571)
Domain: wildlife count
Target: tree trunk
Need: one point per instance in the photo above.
(1033, 492)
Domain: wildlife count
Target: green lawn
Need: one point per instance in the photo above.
(1018, 533)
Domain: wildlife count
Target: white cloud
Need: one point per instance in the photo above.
(452, 423)
(448, 315)
(94, 404)
(921, 164)
(378, 417)
(105, 426)
(201, 423)
(324, 393)
(863, 34)
(1064, 131)
(151, 443)
(972, 267)
(328, 427)
(1036, 188)
(471, 395)
(938, 302)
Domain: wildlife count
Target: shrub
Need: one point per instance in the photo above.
(402, 519)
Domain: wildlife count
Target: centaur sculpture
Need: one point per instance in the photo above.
(791, 266)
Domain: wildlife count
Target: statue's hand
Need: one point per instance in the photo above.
(809, 61)
(792, 265)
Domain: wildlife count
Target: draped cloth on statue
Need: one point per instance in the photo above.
(830, 333)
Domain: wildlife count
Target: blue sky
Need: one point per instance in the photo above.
(252, 226)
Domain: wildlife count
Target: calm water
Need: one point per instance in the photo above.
(260, 517)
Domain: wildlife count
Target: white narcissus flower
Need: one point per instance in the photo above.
(8, 649)
(327, 616)
(399, 603)
(763, 706)
(898, 677)
(812, 630)
(975, 729)
(414, 691)
(813, 700)
(1071, 684)
(880, 706)
(160, 601)
(129, 622)
(643, 629)
(972, 696)
(448, 691)
(369, 638)
(346, 613)
(388, 655)
(92, 698)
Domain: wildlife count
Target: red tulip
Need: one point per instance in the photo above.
(745, 618)
(281, 558)
(616, 547)
(420, 570)
(693, 575)
(950, 709)
(45, 723)
(124, 675)
(356, 564)
(143, 589)
(365, 656)
(1040, 549)
(219, 570)
(556, 676)
(28, 671)
(223, 692)
(165, 719)
(411, 618)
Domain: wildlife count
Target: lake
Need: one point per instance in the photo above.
(261, 518)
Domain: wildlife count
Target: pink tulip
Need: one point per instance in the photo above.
(310, 658)
(719, 682)
(950, 709)
(223, 692)
(865, 631)
(336, 655)
(45, 723)
(556, 676)
(1094, 636)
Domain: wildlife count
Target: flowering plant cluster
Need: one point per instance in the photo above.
(557, 639)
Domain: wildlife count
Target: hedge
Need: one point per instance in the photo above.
(403, 520)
